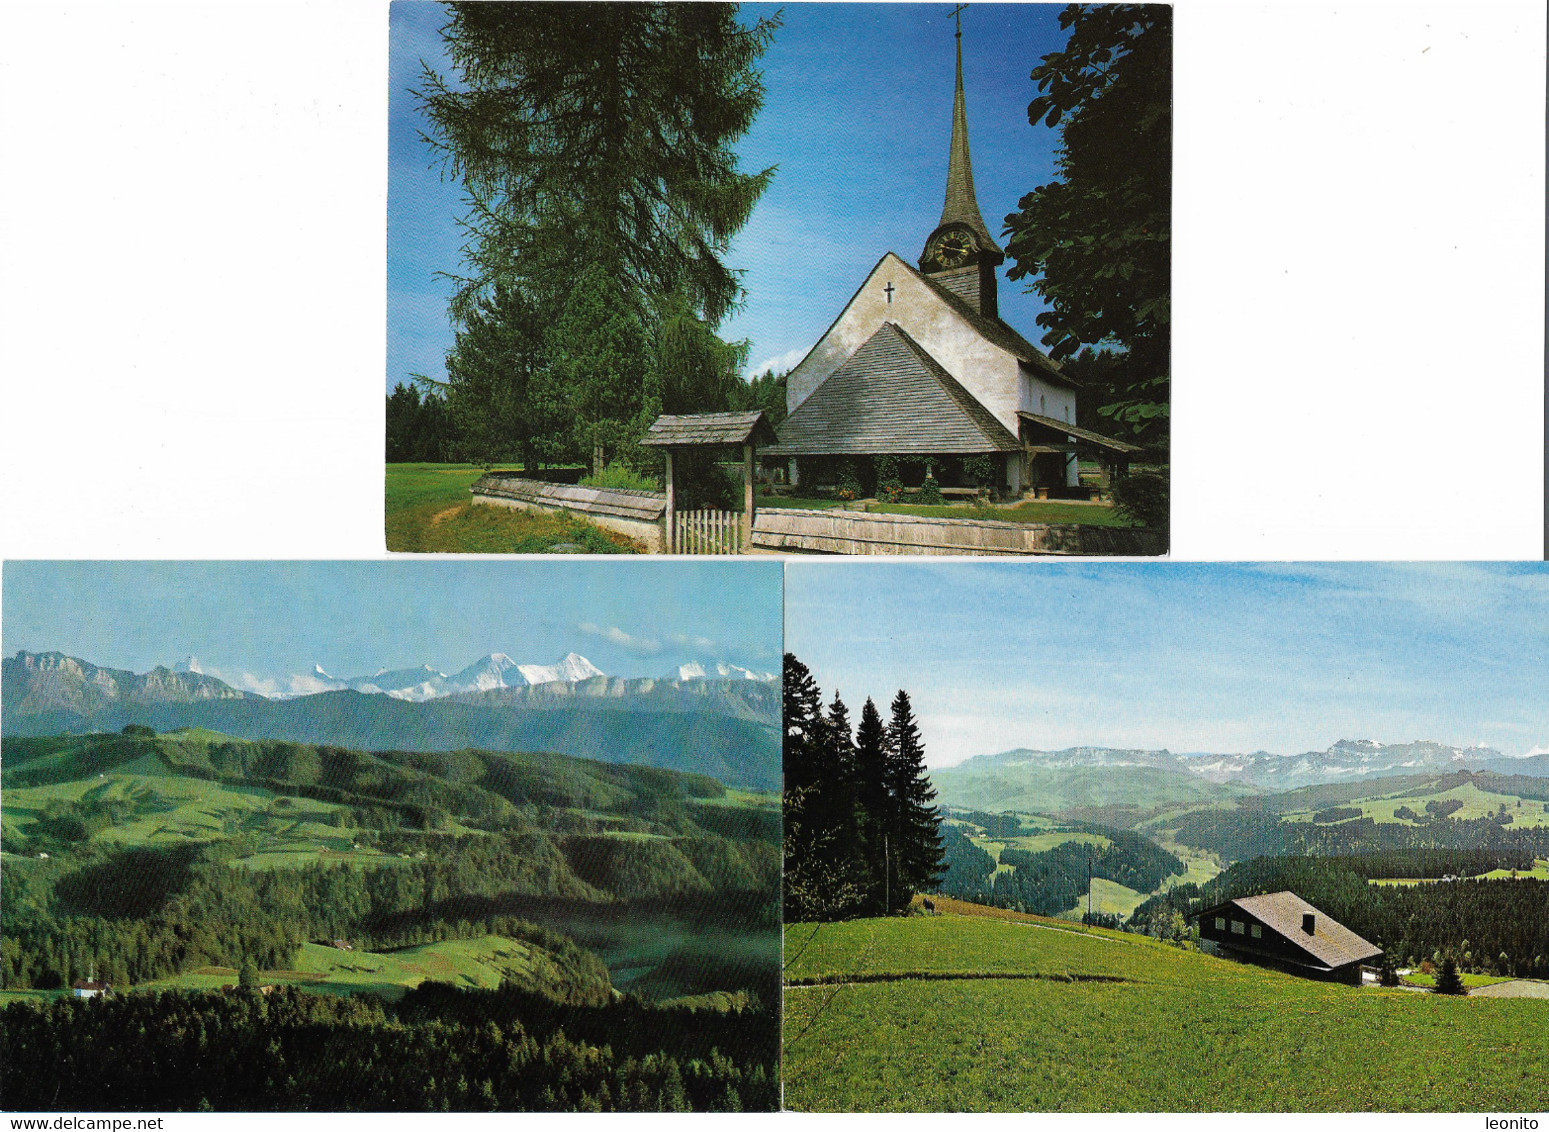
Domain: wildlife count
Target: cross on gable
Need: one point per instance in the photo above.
(889, 289)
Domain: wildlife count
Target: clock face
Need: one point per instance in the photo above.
(950, 249)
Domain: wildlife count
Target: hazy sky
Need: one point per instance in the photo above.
(1190, 657)
(274, 619)
(857, 116)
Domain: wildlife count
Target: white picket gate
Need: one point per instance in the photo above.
(707, 532)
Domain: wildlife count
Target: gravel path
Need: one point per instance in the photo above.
(1517, 988)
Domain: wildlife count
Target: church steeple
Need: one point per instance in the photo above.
(962, 205)
(960, 254)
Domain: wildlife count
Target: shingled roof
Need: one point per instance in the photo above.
(1331, 943)
(891, 397)
(701, 429)
(962, 204)
(1123, 447)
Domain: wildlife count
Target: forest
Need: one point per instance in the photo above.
(861, 834)
(1053, 880)
(438, 1049)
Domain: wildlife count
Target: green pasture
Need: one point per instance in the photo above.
(1088, 1021)
(427, 509)
(284, 830)
(481, 962)
(1470, 981)
(1477, 803)
(1108, 897)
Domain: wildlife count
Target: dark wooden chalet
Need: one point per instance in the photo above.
(1282, 930)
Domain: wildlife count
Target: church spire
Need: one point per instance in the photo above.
(961, 205)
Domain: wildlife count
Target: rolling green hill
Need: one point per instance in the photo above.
(1016, 1014)
(151, 857)
(986, 785)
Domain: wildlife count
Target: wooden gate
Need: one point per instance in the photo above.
(707, 532)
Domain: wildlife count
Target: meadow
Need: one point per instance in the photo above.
(1013, 1013)
(428, 510)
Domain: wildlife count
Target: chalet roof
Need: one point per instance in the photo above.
(1121, 446)
(1331, 943)
(962, 204)
(891, 397)
(707, 429)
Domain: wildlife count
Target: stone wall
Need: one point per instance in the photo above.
(637, 514)
(858, 532)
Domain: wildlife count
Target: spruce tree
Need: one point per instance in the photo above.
(872, 799)
(1449, 981)
(914, 847)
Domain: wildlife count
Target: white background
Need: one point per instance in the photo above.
(193, 205)
(192, 281)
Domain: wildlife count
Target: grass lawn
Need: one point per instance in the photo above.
(1095, 1021)
(1420, 979)
(428, 510)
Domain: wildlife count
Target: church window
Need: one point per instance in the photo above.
(1256, 931)
(1220, 923)
(1041, 406)
(1237, 927)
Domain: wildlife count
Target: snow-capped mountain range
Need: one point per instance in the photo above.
(497, 670)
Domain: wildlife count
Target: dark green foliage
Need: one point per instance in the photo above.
(930, 493)
(594, 144)
(860, 833)
(439, 1049)
(1144, 498)
(139, 731)
(1096, 242)
(418, 430)
(1387, 974)
(1053, 880)
(1337, 814)
(914, 845)
(766, 392)
(1448, 981)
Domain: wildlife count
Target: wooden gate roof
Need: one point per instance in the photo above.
(704, 430)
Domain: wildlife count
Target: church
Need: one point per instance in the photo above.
(919, 365)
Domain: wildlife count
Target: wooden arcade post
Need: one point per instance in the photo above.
(747, 495)
(672, 510)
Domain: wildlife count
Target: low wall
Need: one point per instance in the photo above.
(860, 532)
(637, 514)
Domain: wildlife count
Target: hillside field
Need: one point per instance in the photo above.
(1003, 1012)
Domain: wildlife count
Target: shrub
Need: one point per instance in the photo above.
(1142, 498)
(980, 468)
(890, 486)
(930, 492)
(621, 477)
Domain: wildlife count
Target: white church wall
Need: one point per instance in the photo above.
(988, 372)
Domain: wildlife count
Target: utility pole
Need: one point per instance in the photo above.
(887, 888)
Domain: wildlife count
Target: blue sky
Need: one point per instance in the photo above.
(857, 117)
(273, 619)
(1190, 657)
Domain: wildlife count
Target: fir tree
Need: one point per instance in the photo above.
(914, 841)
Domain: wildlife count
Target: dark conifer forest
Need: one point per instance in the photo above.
(861, 833)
